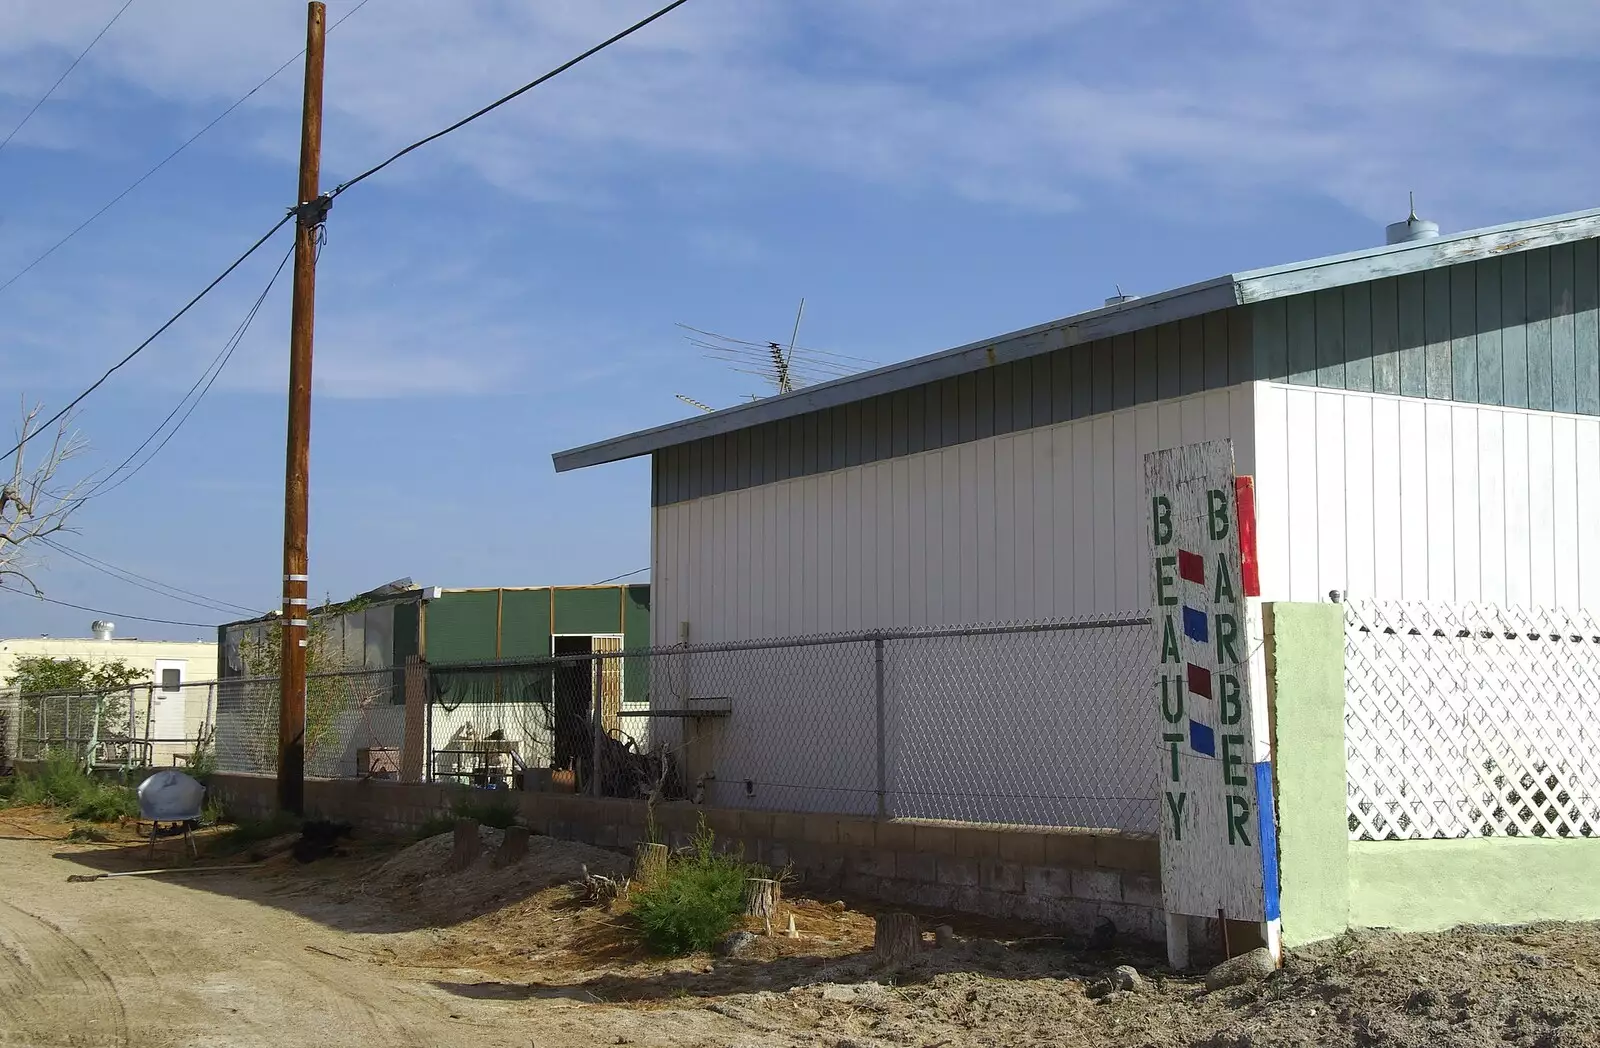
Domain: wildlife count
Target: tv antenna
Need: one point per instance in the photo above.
(782, 370)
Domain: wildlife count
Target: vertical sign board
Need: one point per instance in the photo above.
(1218, 822)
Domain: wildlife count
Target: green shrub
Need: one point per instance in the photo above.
(59, 783)
(202, 764)
(696, 902)
(101, 802)
(495, 812)
(62, 783)
(435, 826)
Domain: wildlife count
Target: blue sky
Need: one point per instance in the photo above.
(923, 173)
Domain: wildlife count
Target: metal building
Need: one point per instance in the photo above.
(1422, 420)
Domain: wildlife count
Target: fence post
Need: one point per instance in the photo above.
(597, 724)
(94, 732)
(883, 774)
(427, 749)
(127, 748)
(414, 692)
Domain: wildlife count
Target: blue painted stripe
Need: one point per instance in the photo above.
(1267, 834)
(1194, 625)
(1202, 739)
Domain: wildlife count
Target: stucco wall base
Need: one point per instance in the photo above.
(1061, 879)
(1420, 886)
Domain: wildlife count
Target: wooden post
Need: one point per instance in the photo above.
(761, 900)
(896, 938)
(596, 727)
(414, 741)
(514, 846)
(649, 861)
(467, 844)
(1177, 941)
(297, 460)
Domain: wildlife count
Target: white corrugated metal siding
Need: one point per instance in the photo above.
(1040, 523)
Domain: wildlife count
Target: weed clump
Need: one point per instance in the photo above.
(696, 901)
(496, 813)
(61, 782)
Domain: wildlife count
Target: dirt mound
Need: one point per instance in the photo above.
(421, 874)
(1535, 987)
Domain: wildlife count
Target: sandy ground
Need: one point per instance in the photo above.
(381, 947)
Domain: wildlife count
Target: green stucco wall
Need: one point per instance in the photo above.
(636, 635)
(1331, 883)
(1418, 886)
(589, 610)
(462, 626)
(480, 625)
(1305, 645)
(525, 624)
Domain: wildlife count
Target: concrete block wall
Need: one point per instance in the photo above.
(1059, 879)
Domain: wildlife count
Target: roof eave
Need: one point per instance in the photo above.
(1123, 318)
(1415, 256)
(1257, 285)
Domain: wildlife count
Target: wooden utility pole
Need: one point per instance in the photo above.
(311, 209)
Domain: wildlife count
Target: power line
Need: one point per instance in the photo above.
(103, 30)
(557, 71)
(150, 585)
(159, 331)
(114, 201)
(108, 614)
(208, 377)
(625, 575)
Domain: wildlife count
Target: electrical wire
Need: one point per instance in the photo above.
(625, 575)
(108, 614)
(159, 331)
(59, 80)
(114, 201)
(148, 584)
(557, 71)
(208, 377)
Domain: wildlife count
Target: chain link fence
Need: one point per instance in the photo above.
(1471, 721)
(1036, 724)
(355, 724)
(142, 726)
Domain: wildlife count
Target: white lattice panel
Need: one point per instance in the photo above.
(1471, 721)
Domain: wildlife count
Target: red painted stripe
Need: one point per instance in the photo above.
(1244, 497)
(1199, 680)
(1191, 568)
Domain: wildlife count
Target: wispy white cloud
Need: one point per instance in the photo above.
(1037, 105)
(1033, 103)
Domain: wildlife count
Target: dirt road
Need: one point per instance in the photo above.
(153, 963)
(388, 947)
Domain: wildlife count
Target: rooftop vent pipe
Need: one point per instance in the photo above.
(102, 629)
(1413, 228)
(1119, 298)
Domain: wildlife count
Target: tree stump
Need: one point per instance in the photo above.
(514, 847)
(467, 844)
(649, 861)
(761, 900)
(896, 938)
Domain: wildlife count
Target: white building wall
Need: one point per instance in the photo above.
(1400, 498)
(1042, 523)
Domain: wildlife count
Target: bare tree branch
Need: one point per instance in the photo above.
(31, 504)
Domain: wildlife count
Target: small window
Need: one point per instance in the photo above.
(171, 679)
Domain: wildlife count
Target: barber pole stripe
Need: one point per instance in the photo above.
(1244, 499)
